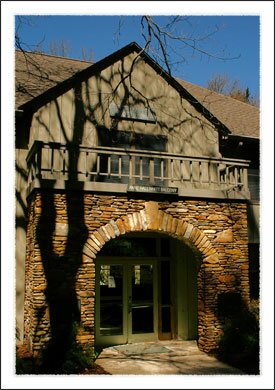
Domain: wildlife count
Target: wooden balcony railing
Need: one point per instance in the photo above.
(57, 161)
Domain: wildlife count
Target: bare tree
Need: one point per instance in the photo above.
(218, 83)
(221, 83)
(60, 48)
(171, 45)
(87, 54)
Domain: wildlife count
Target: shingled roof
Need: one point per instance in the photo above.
(241, 118)
(35, 73)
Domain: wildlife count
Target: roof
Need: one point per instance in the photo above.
(241, 118)
(36, 73)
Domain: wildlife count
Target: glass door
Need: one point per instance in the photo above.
(111, 287)
(142, 302)
(126, 302)
(111, 299)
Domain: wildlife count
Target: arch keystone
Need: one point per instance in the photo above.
(161, 215)
(151, 210)
(143, 220)
(164, 222)
(137, 222)
(169, 223)
(131, 222)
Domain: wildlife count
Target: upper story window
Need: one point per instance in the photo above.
(131, 140)
(132, 113)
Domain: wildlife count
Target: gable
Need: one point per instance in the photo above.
(36, 73)
(130, 99)
(99, 66)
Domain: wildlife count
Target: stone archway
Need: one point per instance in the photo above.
(151, 218)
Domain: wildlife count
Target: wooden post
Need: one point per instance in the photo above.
(151, 172)
(119, 167)
(245, 178)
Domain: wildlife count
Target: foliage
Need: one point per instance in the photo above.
(221, 83)
(73, 358)
(25, 366)
(254, 308)
(239, 343)
(77, 359)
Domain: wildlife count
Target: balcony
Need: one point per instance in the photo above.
(118, 170)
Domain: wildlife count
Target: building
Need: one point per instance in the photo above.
(137, 212)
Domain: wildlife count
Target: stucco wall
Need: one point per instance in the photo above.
(74, 116)
(66, 231)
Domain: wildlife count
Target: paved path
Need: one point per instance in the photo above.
(163, 357)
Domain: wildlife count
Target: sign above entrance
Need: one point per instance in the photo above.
(153, 189)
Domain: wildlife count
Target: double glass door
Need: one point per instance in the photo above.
(126, 301)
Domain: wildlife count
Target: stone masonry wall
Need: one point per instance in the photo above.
(66, 231)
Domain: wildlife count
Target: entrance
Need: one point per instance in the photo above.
(127, 303)
(133, 297)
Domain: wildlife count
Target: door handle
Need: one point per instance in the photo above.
(129, 304)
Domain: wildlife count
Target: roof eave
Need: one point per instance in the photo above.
(67, 84)
(245, 137)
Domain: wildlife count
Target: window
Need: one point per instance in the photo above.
(137, 247)
(130, 140)
(132, 247)
(132, 113)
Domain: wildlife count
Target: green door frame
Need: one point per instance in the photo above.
(127, 336)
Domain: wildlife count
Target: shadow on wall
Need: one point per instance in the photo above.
(60, 271)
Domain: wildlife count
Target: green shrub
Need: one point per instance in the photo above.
(239, 343)
(65, 355)
(77, 359)
(62, 355)
(23, 366)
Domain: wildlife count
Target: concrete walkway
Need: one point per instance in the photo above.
(163, 357)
